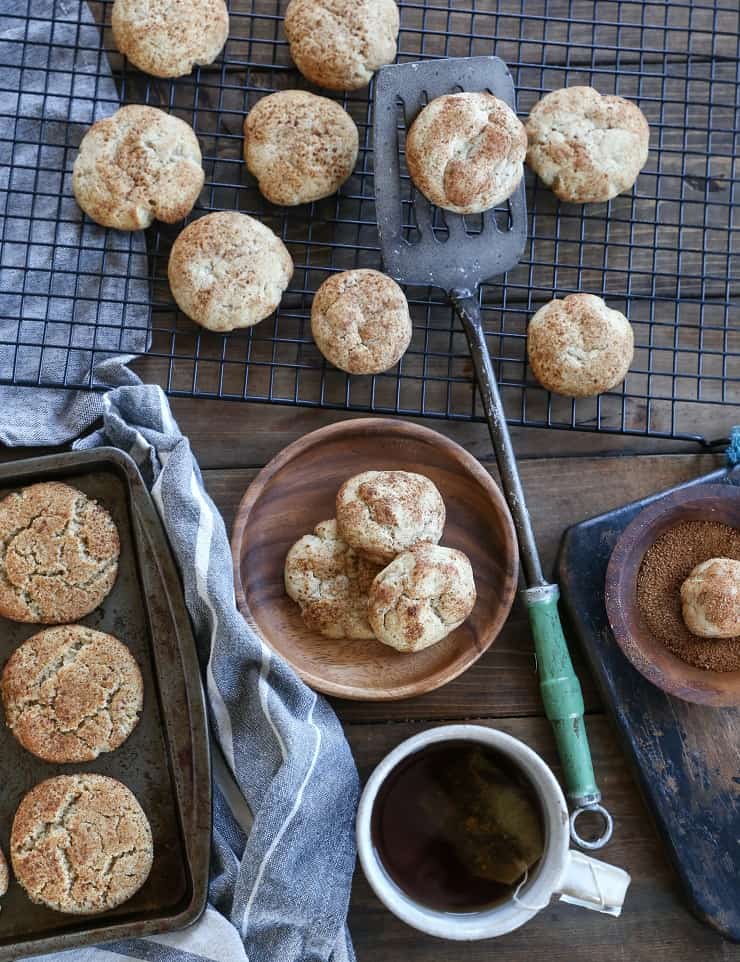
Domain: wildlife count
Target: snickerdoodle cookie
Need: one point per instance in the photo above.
(578, 346)
(228, 270)
(138, 165)
(465, 152)
(81, 844)
(360, 321)
(586, 147)
(340, 44)
(70, 693)
(710, 599)
(167, 38)
(4, 874)
(423, 595)
(300, 147)
(381, 513)
(58, 554)
(330, 582)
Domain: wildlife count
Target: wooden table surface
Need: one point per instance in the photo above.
(567, 477)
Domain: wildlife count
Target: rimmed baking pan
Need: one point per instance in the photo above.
(166, 760)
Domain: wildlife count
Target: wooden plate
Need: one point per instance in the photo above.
(297, 489)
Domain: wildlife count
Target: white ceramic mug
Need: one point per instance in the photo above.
(575, 877)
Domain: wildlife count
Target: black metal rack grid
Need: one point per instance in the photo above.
(665, 254)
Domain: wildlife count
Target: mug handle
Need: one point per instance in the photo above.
(593, 884)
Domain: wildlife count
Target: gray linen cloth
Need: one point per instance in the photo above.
(73, 304)
(73, 296)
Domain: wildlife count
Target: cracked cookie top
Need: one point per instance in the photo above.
(227, 271)
(340, 44)
(360, 321)
(579, 347)
(4, 876)
(81, 844)
(167, 38)
(422, 596)
(330, 582)
(70, 693)
(465, 152)
(382, 513)
(137, 165)
(585, 147)
(58, 554)
(300, 147)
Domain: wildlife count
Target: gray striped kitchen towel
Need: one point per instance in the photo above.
(286, 785)
(73, 307)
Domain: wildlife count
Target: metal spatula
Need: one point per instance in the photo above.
(459, 264)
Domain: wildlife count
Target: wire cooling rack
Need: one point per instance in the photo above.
(665, 254)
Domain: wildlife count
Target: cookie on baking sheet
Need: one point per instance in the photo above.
(421, 596)
(340, 44)
(465, 152)
(360, 321)
(58, 554)
(228, 270)
(330, 583)
(71, 693)
(138, 165)
(167, 38)
(381, 513)
(586, 147)
(81, 844)
(579, 347)
(300, 147)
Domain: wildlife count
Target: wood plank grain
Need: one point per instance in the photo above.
(225, 434)
(560, 492)
(655, 924)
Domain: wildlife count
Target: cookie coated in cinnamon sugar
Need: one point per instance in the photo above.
(81, 844)
(71, 693)
(58, 554)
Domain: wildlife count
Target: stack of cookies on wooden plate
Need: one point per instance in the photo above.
(80, 842)
(377, 569)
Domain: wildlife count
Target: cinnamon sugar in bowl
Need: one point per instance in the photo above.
(651, 559)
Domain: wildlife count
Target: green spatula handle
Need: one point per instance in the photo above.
(561, 691)
(561, 694)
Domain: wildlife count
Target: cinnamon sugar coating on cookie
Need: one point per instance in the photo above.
(339, 44)
(360, 321)
(81, 844)
(578, 346)
(465, 152)
(423, 595)
(381, 513)
(227, 271)
(138, 165)
(71, 693)
(586, 147)
(58, 554)
(300, 147)
(330, 582)
(167, 38)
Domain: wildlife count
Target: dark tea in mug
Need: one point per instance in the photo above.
(457, 826)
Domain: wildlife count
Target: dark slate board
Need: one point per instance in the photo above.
(686, 757)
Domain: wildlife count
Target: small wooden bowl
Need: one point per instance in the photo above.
(706, 502)
(297, 489)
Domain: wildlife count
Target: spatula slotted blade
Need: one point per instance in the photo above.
(470, 250)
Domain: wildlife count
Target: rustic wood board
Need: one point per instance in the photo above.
(686, 757)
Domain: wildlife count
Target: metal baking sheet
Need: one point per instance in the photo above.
(165, 762)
